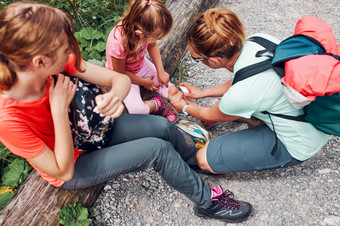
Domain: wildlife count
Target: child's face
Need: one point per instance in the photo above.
(150, 39)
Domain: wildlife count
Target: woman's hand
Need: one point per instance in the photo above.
(193, 93)
(109, 104)
(149, 84)
(179, 104)
(61, 93)
(163, 78)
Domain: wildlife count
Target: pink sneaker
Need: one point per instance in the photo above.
(165, 109)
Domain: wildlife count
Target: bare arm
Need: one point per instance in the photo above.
(111, 103)
(147, 83)
(210, 114)
(216, 91)
(60, 163)
(163, 77)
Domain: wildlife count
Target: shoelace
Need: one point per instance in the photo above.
(227, 200)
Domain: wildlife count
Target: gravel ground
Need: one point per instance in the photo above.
(307, 194)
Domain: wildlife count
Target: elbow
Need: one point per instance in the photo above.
(124, 79)
(66, 176)
(127, 80)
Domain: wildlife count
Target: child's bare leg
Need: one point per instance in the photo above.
(151, 105)
(175, 95)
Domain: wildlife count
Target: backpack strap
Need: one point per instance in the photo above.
(251, 70)
(295, 118)
(269, 45)
(257, 68)
(300, 118)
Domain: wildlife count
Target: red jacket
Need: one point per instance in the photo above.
(315, 75)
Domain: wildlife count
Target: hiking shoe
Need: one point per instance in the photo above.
(198, 134)
(224, 207)
(165, 109)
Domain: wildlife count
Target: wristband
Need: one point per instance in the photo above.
(184, 110)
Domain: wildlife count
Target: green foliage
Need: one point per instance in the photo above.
(13, 172)
(74, 215)
(6, 194)
(92, 22)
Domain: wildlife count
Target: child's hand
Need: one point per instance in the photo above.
(109, 104)
(193, 93)
(149, 84)
(61, 93)
(163, 78)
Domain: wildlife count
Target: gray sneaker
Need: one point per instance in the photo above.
(224, 207)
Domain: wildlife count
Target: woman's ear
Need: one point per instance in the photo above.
(215, 59)
(139, 33)
(39, 62)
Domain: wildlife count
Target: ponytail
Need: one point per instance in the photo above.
(7, 76)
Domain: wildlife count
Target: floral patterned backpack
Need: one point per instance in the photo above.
(88, 127)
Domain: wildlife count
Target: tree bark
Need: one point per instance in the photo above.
(173, 46)
(37, 202)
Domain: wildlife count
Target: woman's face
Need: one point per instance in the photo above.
(61, 57)
(212, 62)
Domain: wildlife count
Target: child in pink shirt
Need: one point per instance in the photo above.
(143, 24)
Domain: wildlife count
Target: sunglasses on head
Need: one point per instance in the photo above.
(197, 59)
(201, 59)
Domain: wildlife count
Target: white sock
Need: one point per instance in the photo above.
(156, 108)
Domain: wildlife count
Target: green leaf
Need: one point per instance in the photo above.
(6, 194)
(74, 215)
(101, 46)
(97, 62)
(89, 33)
(15, 173)
(94, 212)
(102, 223)
(94, 55)
(85, 55)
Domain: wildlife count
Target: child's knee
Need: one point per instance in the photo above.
(138, 109)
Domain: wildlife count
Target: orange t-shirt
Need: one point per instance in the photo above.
(27, 127)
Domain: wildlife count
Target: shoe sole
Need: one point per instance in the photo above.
(189, 127)
(204, 216)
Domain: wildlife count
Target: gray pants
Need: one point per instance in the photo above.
(248, 150)
(137, 142)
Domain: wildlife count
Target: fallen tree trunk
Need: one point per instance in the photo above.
(37, 202)
(173, 47)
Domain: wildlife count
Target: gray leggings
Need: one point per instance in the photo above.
(137, 142)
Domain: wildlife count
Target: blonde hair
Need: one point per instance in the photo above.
(154, 19)
(216, 32)
(28, 29)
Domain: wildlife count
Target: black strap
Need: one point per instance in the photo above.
(299, 118)
(251, 70)
(257, 68)
(269, 45)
